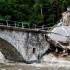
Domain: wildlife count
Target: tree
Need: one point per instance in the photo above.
(39, 12)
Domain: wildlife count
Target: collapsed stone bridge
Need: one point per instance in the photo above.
(19, 44)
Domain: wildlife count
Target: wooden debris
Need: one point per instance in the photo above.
(57, 45)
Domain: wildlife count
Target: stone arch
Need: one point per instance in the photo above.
(16, 39)
(9, 51)
(24, 42)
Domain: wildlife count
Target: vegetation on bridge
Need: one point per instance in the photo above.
(39, 12)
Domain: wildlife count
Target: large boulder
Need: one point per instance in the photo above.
(61, 33)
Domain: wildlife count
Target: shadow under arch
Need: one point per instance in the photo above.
(10, 52)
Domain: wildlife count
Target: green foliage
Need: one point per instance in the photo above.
(39, 12)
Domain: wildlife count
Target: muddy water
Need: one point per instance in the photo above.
(51, 63)
(21, 66)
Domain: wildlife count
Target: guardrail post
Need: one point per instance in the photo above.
(15, 24)
(34, 25)
(28, 26)
(42, 26)
(7, 23)
(22, 25)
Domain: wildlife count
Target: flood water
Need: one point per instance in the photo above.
(51, 63)
(22, 66)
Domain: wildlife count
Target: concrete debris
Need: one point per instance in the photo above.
(59, 39)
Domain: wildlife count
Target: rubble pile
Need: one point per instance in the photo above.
(59, 39)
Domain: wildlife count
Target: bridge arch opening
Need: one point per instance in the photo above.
(9, 51)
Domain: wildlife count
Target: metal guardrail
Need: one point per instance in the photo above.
(10, 23)
(15, 24)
